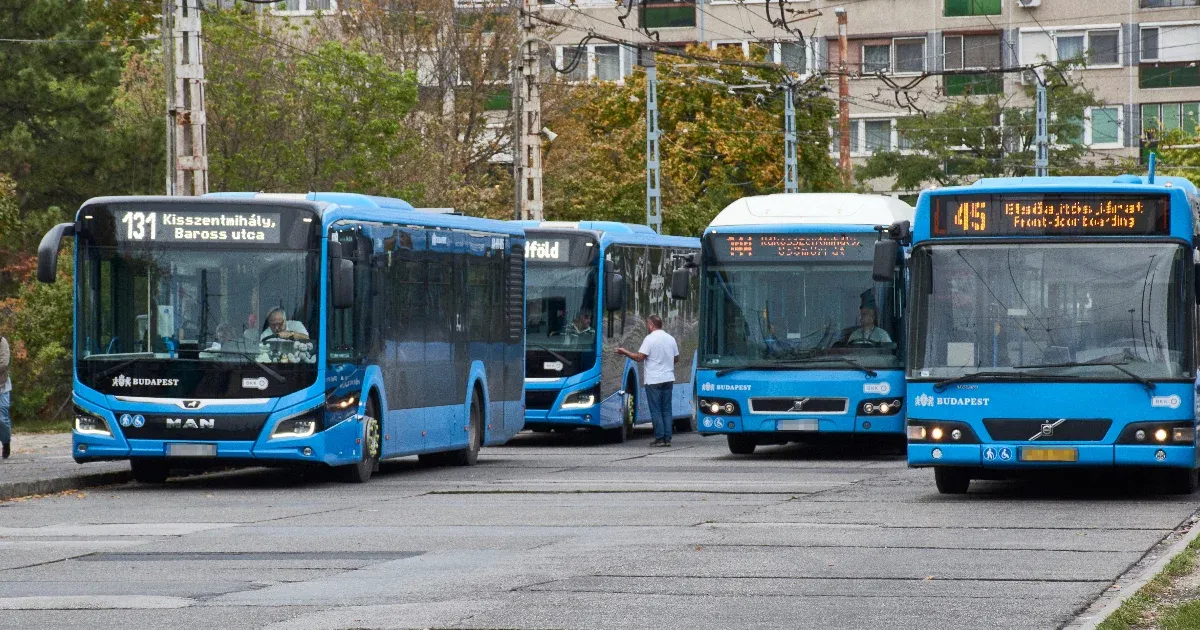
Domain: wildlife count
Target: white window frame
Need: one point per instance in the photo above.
(303, 11)
(860, 121)
(1142, 46)
(924, 56)
(1084, 29)
(1087, 128)
(717, 43)
(623, 53)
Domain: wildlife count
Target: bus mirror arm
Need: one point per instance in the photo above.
(48, 251)
(341, 283)
(884, 266)
(1196, 281)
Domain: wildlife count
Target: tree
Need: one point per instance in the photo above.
(717, 144)
(1179, 154)
(285, 118)
(984, 136)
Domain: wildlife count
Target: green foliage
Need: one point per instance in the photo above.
(286, 120)
(985, 136)
(1179, 154)
(716, 146)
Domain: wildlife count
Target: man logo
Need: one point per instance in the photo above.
(191, 423)
(924, 400)
(191, 404)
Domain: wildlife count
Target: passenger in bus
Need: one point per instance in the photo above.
(278, 325)
(867, 332)
(227, 340)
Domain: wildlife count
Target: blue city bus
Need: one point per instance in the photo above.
(326, 329)
(1053, 326)
(785, 353)
(590, 287)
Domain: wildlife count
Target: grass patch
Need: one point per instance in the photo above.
(1133, 611)
(61, 425)
(1182, 617)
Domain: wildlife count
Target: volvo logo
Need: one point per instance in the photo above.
(1047, 429)
(191, 423)
(798, 405)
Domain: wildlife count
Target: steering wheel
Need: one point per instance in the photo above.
(862, 344)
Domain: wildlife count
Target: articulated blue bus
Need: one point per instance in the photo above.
(328, 329)
(796, 338)
(1053, 325)
(590, 287)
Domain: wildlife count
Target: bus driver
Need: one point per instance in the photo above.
(868, 332)
(278, 325)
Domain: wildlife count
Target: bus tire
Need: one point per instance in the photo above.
(469, 455)
(150, 471)
(951, 480)
(369, 461)
(1182, 481)
(742, 444)
(623, 432)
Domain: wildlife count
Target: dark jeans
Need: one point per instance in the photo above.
(658, 397)
(5, 418)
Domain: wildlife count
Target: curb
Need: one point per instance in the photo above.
(19, 489)
(1091, 617)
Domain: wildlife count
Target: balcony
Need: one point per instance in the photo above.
(1169, 74)
(977, 84)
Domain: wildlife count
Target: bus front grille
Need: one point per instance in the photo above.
(798, 404)
(1047, 429)
(540, 399)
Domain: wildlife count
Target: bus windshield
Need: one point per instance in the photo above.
(561, 324)
(1054, 309)
(195, 320)
(784, 312)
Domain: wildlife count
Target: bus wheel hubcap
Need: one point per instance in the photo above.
(372, 438)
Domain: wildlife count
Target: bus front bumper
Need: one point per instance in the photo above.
(538, 419)
(1010, 456)
(798, 427)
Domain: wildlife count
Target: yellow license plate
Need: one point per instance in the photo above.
(1031, 454)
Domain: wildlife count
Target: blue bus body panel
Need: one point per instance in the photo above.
(854, 386)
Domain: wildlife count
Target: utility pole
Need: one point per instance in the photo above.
(790, 179)
(530, 124)
(187, 147)
(843, 101)
(1041, 163)
(653, 191)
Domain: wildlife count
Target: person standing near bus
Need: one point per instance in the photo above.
(5, 399)
(659, 353)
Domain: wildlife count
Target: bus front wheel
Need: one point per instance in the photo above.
(1182, 481)
(742, 444)
(951, 480)
(371, 447)
(149, 470)
(469, 455)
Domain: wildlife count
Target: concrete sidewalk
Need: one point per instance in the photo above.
(42, 464)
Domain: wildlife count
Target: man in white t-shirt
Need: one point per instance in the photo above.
(659, 353)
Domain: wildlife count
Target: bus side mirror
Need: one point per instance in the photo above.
(614, 291)
(341, 282)
(48, 251)
(885, 260)
(681, 280)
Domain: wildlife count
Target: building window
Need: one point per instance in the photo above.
(608, 63)
(977, 84)
(1159, 4)
(1103, 127)
(1168, 75)
(965, 52)
(668, 15)
(1150, 43)
(964, 8)
(876, 58)
(879, 135)
(793, 56)
(1098, 47)
(1169, 116)
(574, 60)
(302, 7)
(910, 55)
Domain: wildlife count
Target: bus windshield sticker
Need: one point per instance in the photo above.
(197, 227)
(1051, 214)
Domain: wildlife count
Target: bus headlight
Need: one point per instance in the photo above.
(943, 431)
(581, 399)
(88, 423)
(880, 407)
(300, 425)
(719, 407)
(1166, 432)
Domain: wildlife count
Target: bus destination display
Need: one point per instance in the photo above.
(754, 247)
(197, 227)
(548, 249)
(1049, 214)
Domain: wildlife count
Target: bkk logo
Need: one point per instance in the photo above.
(1171, 402)
(255, 383)
(882, 389)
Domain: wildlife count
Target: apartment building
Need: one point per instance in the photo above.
(1143, 56)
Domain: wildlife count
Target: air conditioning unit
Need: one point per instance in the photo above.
(1029, 4)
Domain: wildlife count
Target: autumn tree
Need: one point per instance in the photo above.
(717, 144)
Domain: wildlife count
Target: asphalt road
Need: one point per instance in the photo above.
(566, 532)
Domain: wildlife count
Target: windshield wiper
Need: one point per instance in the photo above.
(565, 361)
(1143, 381)
(799, 364)
(253, 359)
(943, 384)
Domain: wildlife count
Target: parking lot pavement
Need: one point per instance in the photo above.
(564, 531)
(42, 464)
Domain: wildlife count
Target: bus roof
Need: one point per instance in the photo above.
(1090, 181)
(612, 227)
(814, 209)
